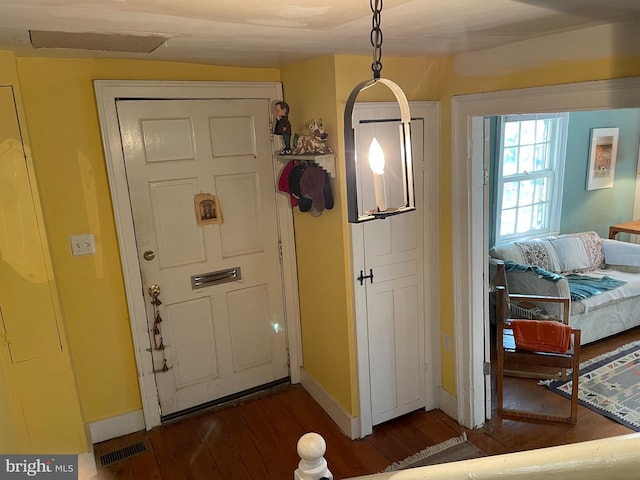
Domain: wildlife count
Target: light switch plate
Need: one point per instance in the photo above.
(83, 244)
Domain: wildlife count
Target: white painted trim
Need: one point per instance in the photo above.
(447, 403)
(349, 425)
(87, 466)
(469, 259)
(107, 91)
(430, 112)
(116, 426)
(362, 333)
(289, 279)
(636, 199)
(484, 129)
(431, 257)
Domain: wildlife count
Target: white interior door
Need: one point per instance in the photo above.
(395, 315)
(393, 301)
(228, 335)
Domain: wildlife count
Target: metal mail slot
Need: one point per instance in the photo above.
(215, 278)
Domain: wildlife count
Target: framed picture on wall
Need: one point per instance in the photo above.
(602, 158)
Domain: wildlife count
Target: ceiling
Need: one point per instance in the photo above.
(272, 33)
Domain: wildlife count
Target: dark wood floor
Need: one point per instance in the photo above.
(256, 438)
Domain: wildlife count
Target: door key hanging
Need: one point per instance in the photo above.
(158, 342)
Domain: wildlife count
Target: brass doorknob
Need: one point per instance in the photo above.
(149, 255)
(154, 290)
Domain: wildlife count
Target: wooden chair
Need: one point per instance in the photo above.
(513, 361)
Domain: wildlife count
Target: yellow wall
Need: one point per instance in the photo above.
(325, 312)
(39, 405)
(62, 117)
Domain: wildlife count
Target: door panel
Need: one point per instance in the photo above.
(232, 136)
(169, 200)
(167, 139)
(225, 337)
(240, 232)
(197, 360)
(249, 331)
(395, 361)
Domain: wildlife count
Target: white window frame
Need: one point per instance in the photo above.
(555, 173)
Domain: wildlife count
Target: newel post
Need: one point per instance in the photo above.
(312, 466)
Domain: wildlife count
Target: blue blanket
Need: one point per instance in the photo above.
(541, 272)
(580, 286)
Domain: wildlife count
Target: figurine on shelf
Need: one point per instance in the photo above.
(283, 126)
(315, 142)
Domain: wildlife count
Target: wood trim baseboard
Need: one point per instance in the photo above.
(349, 425)
(116, 426)
(447, 403)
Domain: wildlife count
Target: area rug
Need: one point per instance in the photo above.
(452, 450)
(610, 385)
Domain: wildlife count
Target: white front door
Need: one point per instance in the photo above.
(391, 306)
(220, 327)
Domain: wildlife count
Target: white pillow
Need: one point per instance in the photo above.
(537, 252)
(621, 253)
(571, 255)
(578, 252)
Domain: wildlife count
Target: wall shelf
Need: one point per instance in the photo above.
(327, 162)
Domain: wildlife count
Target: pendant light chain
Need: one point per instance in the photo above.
(376, 37)
(356, 174)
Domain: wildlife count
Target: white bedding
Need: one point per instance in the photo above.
(629, 290)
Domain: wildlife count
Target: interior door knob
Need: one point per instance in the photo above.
(154, 290)
(149, 255)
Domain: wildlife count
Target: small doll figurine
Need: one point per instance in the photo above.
(283, 126)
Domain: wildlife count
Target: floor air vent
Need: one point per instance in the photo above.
(121, 454)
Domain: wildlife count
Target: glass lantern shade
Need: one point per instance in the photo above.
(378, 161)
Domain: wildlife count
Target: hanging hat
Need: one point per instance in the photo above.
(327, 192)
(283, 182)
(304, 204)
(312, 186)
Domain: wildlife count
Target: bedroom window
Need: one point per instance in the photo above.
(530, 175)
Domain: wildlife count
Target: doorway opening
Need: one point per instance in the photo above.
(470, 269)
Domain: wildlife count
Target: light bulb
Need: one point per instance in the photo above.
(376, 157)
(376, 162)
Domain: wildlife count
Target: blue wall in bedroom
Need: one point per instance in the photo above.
(584, 209)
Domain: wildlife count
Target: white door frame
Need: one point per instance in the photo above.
(107, 92)
(636, 199)
(430, 111)
(469, 259)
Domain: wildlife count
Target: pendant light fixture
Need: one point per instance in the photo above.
(382, 184)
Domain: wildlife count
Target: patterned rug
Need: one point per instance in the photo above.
(452, 450)
(610, 385)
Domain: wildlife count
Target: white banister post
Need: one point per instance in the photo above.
(312, 466)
